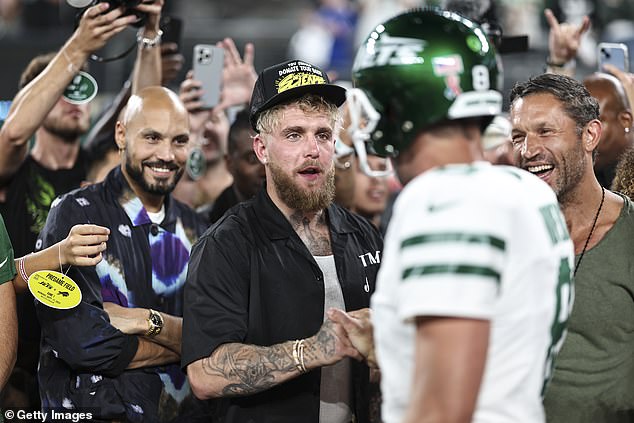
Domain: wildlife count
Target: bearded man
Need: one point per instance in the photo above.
(255, 331)
(116, 354)
(52, 108)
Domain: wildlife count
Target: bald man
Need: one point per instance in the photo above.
(116, 354)
(616, 119)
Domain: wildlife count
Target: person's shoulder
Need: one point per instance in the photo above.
(83, 196)
(626, 214)
(236, 223)
(479, 182)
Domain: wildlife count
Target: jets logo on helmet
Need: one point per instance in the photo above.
(418, 69)
(391, 51)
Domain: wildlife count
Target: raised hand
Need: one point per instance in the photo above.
(84, 245)
(238, 75)
(190, 93)
(153, 11)
(564, 38)
(96, 27)
(358, 327)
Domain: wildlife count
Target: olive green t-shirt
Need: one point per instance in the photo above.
(593, 380)
(7, 265)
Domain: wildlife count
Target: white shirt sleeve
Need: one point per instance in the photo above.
(451, 258)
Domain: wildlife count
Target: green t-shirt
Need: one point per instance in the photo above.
(7, 265)
(594, 371)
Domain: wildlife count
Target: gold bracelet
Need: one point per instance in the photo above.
(298, 355)
(301, 356)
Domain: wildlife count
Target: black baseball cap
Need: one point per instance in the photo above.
(290, 80)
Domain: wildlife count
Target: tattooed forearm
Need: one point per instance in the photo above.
(249, 369)
(322, 347)
(240, 370)
(326, 339)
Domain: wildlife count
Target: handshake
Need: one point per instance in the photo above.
(348, 334)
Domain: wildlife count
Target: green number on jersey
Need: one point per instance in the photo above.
(555, 223)
(562, 310)
(558, 232)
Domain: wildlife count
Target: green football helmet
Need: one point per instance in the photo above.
(418, 69)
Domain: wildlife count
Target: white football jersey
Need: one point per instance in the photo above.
(483, 242)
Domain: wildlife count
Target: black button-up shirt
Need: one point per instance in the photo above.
(252, 280)
(83, 358)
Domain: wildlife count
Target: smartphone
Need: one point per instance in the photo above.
(208, 64)
(615, 54)
(172, 28)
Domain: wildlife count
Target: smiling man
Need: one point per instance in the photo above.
(44, 111)
(556, 130)
(260, 281)
(116, 354)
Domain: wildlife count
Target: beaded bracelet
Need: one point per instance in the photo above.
(148, 42)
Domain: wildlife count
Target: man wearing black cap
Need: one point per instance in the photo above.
(261, 280)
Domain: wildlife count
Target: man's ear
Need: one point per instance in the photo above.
(591, 135)
(260, 150)
(626, 119)
(119, 135)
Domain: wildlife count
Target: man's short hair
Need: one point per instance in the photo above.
(36, 66)
(578, 104)
(308, 103)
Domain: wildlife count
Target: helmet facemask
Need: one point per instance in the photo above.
(363, 121)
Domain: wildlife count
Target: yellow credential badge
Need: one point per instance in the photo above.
(54, 289)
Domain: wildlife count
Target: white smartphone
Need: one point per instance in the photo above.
(208, 64)
(615, 54)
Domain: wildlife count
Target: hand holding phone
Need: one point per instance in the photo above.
(615, 54)
(208, 65)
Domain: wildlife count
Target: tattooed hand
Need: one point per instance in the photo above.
(330, 345)
(358, 326)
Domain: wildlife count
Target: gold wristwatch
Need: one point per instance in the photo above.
(155, 323)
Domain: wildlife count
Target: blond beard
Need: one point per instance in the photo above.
(300, 199)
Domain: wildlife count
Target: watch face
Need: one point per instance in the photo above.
(156, 320)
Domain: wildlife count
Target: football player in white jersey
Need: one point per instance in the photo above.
(475, 286)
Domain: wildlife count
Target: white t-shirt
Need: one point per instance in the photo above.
(158, 216)
(335, 390)
(483, 242)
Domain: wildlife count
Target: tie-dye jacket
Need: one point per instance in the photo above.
(83, 358)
